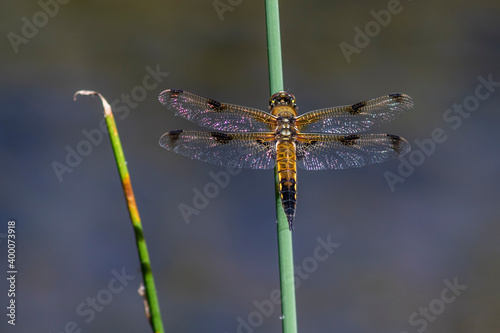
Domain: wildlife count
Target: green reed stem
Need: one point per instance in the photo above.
(151, 298)
(285, 248)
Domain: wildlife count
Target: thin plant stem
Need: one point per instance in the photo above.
(152, 306)
(285, 248)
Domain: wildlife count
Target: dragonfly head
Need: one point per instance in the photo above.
(282, 98)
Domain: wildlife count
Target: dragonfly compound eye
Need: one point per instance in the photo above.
(282, 98)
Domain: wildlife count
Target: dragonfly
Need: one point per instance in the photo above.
(250, 138)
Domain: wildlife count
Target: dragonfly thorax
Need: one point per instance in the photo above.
(286, 129)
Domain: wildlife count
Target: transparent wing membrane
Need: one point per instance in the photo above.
(216, 115)
(327, 151)
(355, 118)
(243, 150)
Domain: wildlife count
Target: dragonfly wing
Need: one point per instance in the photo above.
(216, 115)
(242, 150)
(328, 151)
(356, 118)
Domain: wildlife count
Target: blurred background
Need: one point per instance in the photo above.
(419, 255)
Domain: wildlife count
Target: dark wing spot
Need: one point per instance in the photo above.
(174, 136)
(175, 92)
(397, 97)
(395, 143)
(213, 103)
(267, 144)
(222, 138)
(355, 108)
(309, 144)
(216, 106)
(349, 140)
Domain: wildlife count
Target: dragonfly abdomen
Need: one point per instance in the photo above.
(287, 177)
